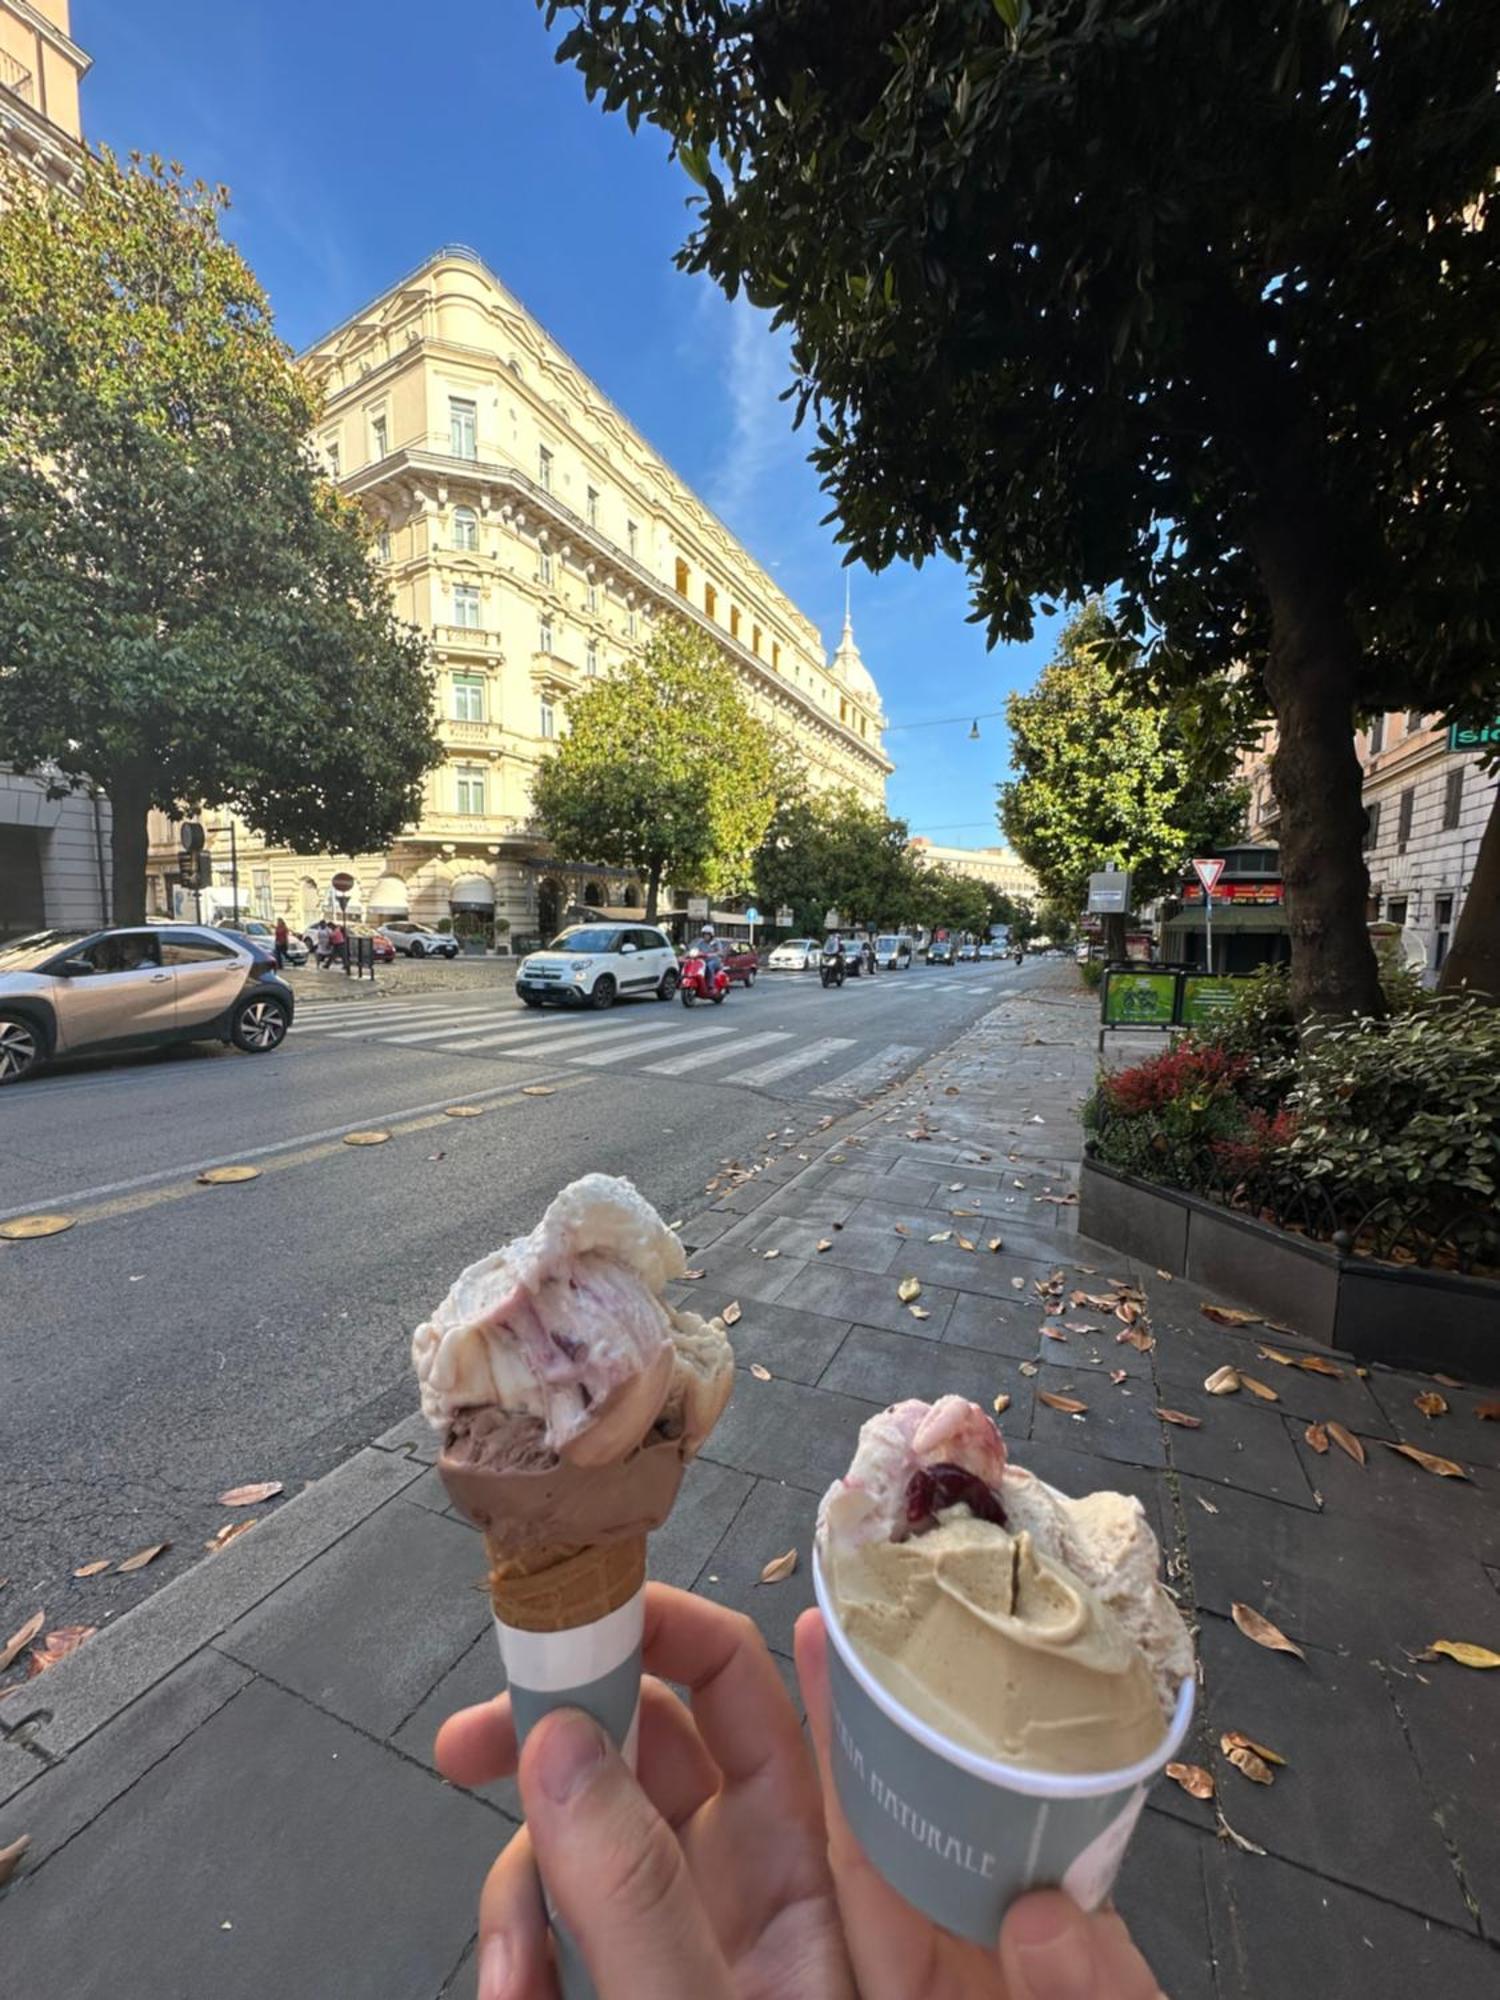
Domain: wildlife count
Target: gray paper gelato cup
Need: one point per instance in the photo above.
(959, 1835)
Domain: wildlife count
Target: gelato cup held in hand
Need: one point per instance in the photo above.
(960, 1836)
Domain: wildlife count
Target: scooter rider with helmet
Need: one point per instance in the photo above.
(710, 949)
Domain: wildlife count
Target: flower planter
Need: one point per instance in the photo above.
(1398, 1314)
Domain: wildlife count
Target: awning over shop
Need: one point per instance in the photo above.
(388, 897)
(1231, 917)
(472, 892)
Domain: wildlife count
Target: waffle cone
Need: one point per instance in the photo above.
(560, 1588)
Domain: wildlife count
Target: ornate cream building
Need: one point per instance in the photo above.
(536, 536)
(998, 868)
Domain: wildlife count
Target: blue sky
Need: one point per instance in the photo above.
(356, 138)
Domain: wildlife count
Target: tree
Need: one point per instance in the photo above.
(834, 850)
(950, 901)
(1195, 303)
(188, 613)
(1106, 772)
(664, 769)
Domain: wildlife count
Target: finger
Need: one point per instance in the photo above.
(512, 1959)
(739, 1701)
(477, 1746)
(614, 1869)
(894, 1949)
(1049, 1950)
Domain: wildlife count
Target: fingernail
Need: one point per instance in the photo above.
(494, 1968)
(573, 1747)
(1059, 1966)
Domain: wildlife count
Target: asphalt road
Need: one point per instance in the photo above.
(181, 1338)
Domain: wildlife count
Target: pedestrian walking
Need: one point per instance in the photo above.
(281, 937)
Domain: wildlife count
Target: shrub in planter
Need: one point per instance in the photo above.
(1166, 1118)
(1091, 971)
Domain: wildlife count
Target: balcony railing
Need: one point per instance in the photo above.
(15, 76)
(465, 639)
(455, 730)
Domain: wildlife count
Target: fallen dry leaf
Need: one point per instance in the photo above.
(1258, 1388)
(1207, 1505)
(250, 1496)
(1119, 1375)
(731, 1314)
(141, 1557)
(692, 1274)
(1069, 1405)
(761, 1373)
(965, 1244)
(779, 1567)
(1448, 1381)
(1316, 1364)
(1000, 1405)
(919, 1312)
(19, 1641)
(57, 1646)
(1164, 1274)
(1346, 1441)
(769, 1254)
(464, 1111)
(1230, 1315)
(1317, 1437)
(1236, 1739)
(1028, 1368)
(1227, 1832)
(901, 1229)
(824, 1243)
(1223, 1382)
(1256, 1769)
(1138, 1338)
(1194, 1780)
(10, 1857)
(909, 1288)
(1444, 1468)
(1262, 1631)
(94, 1568)
(230, 1532)
(998, 1243)
(1466, 1654)
(25, 1228)
(366, 1138)
(228, 1176)
(1488, 1413)
(1180, 1418)
(1431, 1404)
(941, 1236)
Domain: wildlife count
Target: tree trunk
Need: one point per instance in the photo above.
(653, 891)
(1473, 964)
(1116, 951)
(128, 787)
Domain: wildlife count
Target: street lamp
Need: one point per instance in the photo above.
(974, 731)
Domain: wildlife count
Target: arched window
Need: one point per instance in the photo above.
(593, 895)
(465, 528)
(631, 900)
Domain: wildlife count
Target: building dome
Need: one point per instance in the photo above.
(851, 672)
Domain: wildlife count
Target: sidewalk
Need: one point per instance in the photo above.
(230, 1792)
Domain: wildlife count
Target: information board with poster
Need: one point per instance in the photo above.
(1139, 999)
(1206, 998)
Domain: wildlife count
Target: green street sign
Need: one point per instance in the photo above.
(1484, 736)
(1205, 998)
(1139, 999)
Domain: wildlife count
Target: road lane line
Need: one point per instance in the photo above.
(518, 1026)
(555, 1039)
(698, 1058)
(780, 1066)
(868, 1075)
(650, 1039)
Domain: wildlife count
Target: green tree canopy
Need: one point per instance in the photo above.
(1198, 302)
(188, 613)
(664, 769)
(834, 850)
(1105, 772)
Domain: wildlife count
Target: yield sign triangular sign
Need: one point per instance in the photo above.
(1208, 873)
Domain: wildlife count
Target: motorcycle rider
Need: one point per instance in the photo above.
(710, 949)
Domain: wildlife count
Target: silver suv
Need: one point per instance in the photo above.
(417, 941)
(69, 993)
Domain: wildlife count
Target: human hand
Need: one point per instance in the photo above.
(1049, 1949)
(708, 1878)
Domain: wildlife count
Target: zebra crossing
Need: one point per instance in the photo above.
(650, 1041)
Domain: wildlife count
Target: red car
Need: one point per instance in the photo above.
(741, 963)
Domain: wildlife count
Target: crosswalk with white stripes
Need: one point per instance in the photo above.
(653, 1041)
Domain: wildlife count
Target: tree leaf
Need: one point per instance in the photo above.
(998, 1243)
(141, 1557)
(761, 1374)
(731, 1314)
(230, 1532)
(252, 1495)
(1431, 1404)
(56, 1647)
(1235, 1739)
(919, 1312)
(779, 1567)
(1230, 1315)
(1346, 1441)
(1181, 1419)
(941, 1236)
(94, 1568)
(1488, 1413)
(1256, 1626)
(10, 1857)
(909, 1288)
(19, 1641)
(1256, 1769)
(1444, 1468)
(1466, 1654)
(1028, 1367)
(1119, 1375)
(1317, 1364)
(1194, 1780)
(1068, 1405)
(1258, 1388)
(1224, 1381)
(965, 1244)
(1001, 1404)
(1317, 1436)
(824, 1243)
(228, 1176)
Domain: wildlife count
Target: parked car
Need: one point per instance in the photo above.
(794, 955)
(893, 951)
(263, 936)
(741, 962)
(989, 951)
(381, 948)
(74, 992)
(968, 951)
(417, 940)
(593, 965)
(940, 951)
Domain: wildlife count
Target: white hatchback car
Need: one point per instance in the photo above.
(594, 965)
(794, 955)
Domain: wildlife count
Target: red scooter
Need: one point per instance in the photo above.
(695, 983)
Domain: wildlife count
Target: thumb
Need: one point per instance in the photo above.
(613, 1869)
(1049, 1950)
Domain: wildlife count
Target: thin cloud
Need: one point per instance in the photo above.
(760, 435)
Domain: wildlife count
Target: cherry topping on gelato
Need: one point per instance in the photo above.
(934, 1488)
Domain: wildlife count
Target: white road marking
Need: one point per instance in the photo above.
(698, 1058)
(652, 1039)
(780, 1066)
(552, 1040)
(868, 1075)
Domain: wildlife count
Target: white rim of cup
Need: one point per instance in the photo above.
(1012, 1777)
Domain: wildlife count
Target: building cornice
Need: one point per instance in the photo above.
(36, 143)
(52, 35)
(527, 503)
